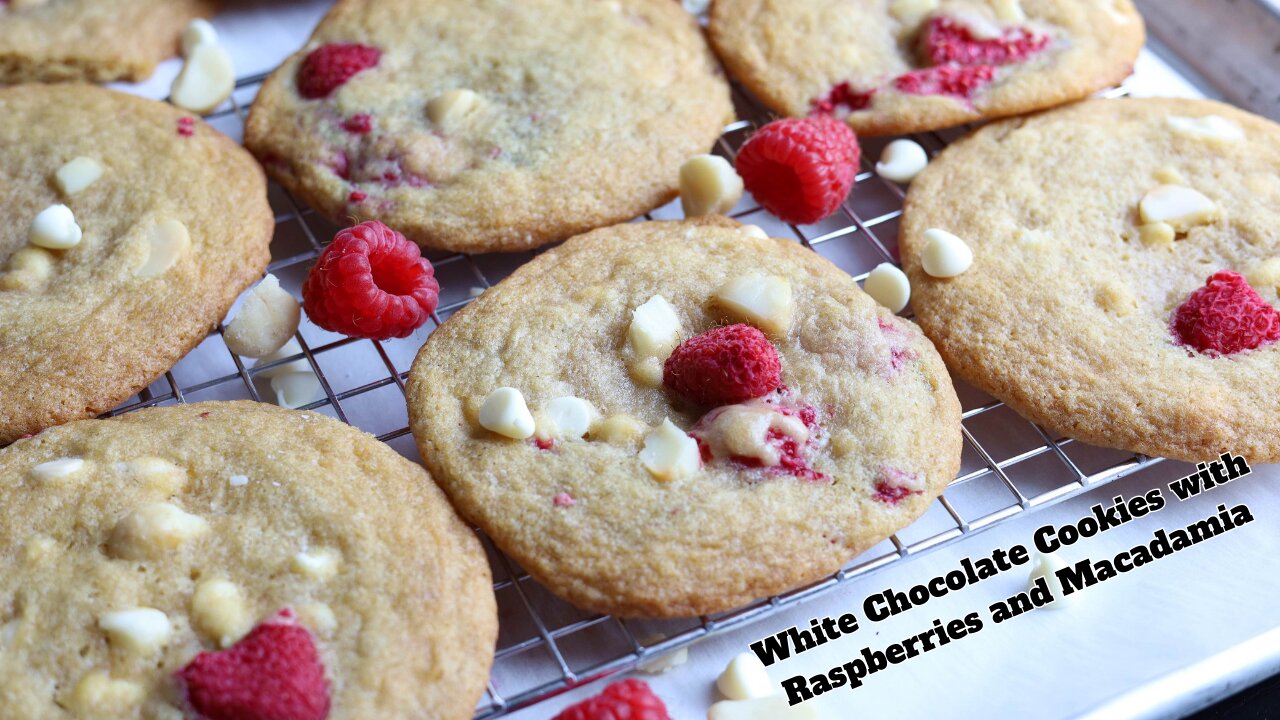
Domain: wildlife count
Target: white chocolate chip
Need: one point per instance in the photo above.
(55, 228)
(669, 453)
(29, 269)
(294, 383)
(774, 707)
(901, 161)
(99, 695)
(708, 186)
(647, 371)
(1169, 175)
(1266, 276)
(762, 300)
(754, 231)
(157, 474)
(505, 412)
(911, 12)
(889, 286)
(1208, 127)
(944, 255)
(142, 631)
(664, 663)
(567, 418)
(743, 430)
(1157, 234)
(744, 678)
(1009, 11)
(218, 610)
(1180, 207)
(77, 174)
(697, 7)
(238, 480)
(167, 241)
(206, 80)
(452, 106)
(152, 530)
(318, 617)
(655, 328)
(1045, 565)
(316, 564)
(198, 32)
(620, 429)
(266, 320)
(59, 469)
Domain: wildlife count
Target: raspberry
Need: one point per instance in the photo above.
(723, 366)
(955, 80)
(274, 673)
(842, 98)
(628, 699)
(946, 41)
(371, 283)
(800, 169)
(1225, 316)
(893, 485)
(328, 67)
(358, 124)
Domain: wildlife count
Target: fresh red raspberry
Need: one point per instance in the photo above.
(274, 673)
(358, 124)
(371, 283)
(328, 67)
(1225, 316)
(628, 699)
(800, 169)
(723, 366)
(946, 41)
(842, 99)
(954, 80)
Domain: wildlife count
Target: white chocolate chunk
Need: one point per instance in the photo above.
(294, 383)
(567, 418)
(1159, 234)
(1009, 11)
(267, 319)
(669, 453)
(1169, 175)
(77, 174)
(708, 186)
(742, 430)
(655, 328)
(745, 678)
(198, 32)
(452, 106)
(944, 255)
(316, 564)
(59, 469)
(1208, 127)
(318, 617)
(505, 412)
(774, 707)
(167, 242)
(762, 300)
(901, 161)
(29, 269)
(620, 429)
(218, 610)
(206, 80)
(754, 231)
(1044, 565)
(697, 7)
(665, 663)
(238, 480)
(911, 12)
(99, 695)
(38, 549)
(1266, 276)
(888, 286)
(155, 529)
(1180, 207)
(647, 371)
(158, 474)
(55, 228)
(142, 631)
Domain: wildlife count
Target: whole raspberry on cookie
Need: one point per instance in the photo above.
(1225, 316)
(371, 283)
(274, 673)
(800, 169)
(328, 67)
(628, 699)
(723, 366)
(946, 40)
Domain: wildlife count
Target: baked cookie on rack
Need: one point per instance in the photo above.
(897, 66)
(132, 228)
(483, 125)
(205, 561)
(1125, 267)
(87, 40)
(673, 418)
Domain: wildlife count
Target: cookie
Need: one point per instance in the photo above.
(172, 221)
(1094, 230)
(720, 505)
(135, 544)
(61, 40)
(483, 125)
(912, 65)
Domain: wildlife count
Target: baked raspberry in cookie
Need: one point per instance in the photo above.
(234, 561)
(482, 125)
(674, 418)
(1123, 286)
(889, 67)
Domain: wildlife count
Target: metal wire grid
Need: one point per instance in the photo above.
(546, 646)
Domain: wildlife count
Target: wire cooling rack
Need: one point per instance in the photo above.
(545, 646)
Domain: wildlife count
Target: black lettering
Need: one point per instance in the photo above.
(1156, 499)
(973, 622)
(871, 607)
(1236, 465)
(999, 612)
(1076, 577)
(1019, 555)
(797, 690)
(772, 648)
(802, 640)
(896, 654)
(1046, 539)
(1204, 529)
(1186, 487)
(1240, 515)
(856, 670)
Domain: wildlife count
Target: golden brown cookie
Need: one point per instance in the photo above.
(1094, 228)
(174, 223)
(86, 40)
(861, 436)
(131, 545)
(897, 66)
(482, 125)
